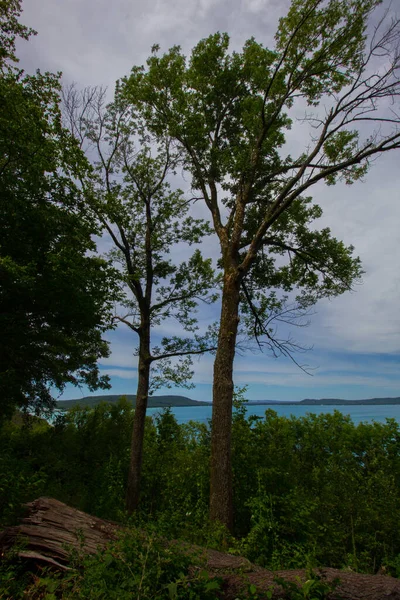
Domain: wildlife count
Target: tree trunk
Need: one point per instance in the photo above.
(221, 499)
(139, 420)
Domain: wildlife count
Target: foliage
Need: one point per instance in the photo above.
(308, 491)
(10, 30)
(311, 491)
(228, 114)
(17, 485)
(130, 191)
(312, 589)
(13, 579)
(139, 565)
(56, 295)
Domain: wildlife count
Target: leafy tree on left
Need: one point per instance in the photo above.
(56, 295)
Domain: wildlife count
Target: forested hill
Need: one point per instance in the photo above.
(171, 400)
(340, 402)
(331, 402)
(154, 401)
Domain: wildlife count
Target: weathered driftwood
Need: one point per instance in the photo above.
(51, 529)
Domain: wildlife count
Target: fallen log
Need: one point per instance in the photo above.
(51, 529)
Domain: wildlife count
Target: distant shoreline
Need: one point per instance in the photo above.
(182, 401)
(167, 401)
(374, 402)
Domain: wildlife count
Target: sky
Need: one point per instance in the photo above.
(355, 338)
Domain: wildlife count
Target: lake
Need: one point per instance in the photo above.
(368, 413)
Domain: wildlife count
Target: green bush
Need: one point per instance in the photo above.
(308, 491)
(139, 565)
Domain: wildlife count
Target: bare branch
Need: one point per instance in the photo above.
(284, 347)
(126, 322)
(182, 353)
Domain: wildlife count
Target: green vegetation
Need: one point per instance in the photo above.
(56, 294)
(311, 491)
(145, 218)
(228, 114)
(139, 565)
(284, 492)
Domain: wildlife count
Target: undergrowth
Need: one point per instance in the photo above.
(309, 492)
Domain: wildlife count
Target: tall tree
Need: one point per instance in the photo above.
(10, 30)
(55, 294)
(146, 219)
(228, 114)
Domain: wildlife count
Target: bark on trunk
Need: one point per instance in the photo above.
(221, 499)
(139, 420)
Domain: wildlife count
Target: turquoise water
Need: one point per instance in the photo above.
(378, 413)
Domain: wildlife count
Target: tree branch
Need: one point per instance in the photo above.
(273, 343)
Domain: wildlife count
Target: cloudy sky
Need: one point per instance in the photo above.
(355, 338)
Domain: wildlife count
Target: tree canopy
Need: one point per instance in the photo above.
(130, 192)
(56, 294)
(229, 114)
